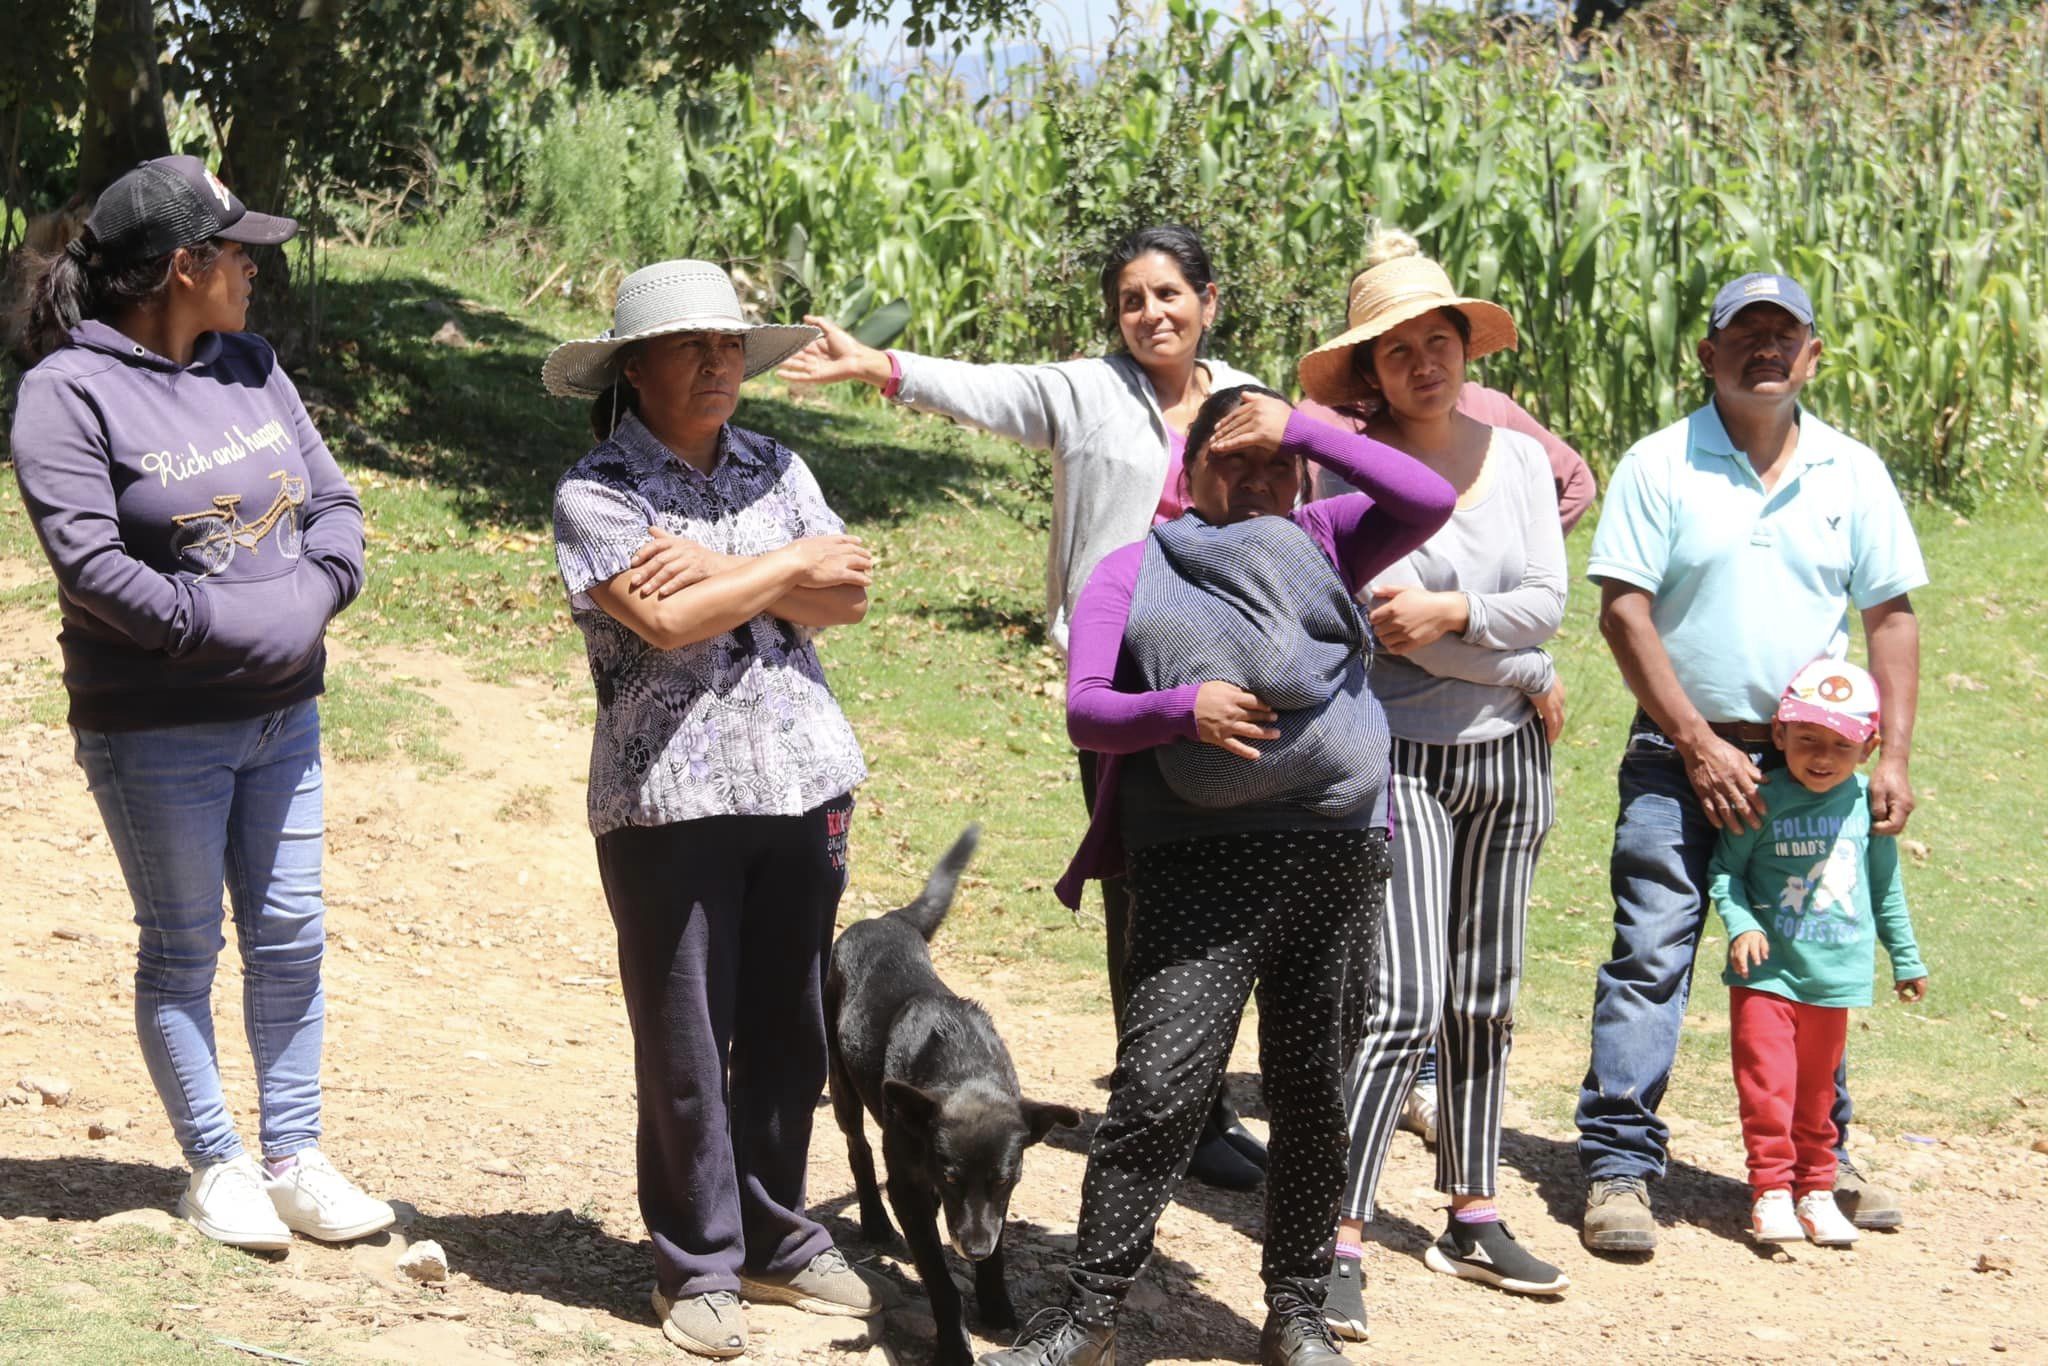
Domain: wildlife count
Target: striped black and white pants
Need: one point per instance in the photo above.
(1469, 822)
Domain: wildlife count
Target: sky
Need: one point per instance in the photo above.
(1084, 23)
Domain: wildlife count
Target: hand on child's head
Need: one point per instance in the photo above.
(1911, 990)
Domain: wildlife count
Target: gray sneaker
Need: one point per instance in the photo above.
(711, 1325)
(827, 1286)
(1867, 1204)
(1618, 1217)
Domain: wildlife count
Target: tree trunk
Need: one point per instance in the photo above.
(256, 164)
(124, 95)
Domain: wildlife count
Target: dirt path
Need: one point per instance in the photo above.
(477, 1069)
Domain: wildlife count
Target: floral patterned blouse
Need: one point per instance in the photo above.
(741, 724)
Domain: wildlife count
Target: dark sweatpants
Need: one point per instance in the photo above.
(723, 928)
(1289, 911)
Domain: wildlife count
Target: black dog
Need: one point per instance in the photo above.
(934, 1073)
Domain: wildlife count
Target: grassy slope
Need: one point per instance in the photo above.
(455, 451)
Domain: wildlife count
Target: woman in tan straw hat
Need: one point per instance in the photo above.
(1473, 704)
(721, 786)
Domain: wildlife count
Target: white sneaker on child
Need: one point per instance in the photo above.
(225, 1201)
(1824, 1221)
(314, 1199)
(1773, 1220)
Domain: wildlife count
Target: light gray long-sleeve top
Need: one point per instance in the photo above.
(1505, 552)
(1100, 420)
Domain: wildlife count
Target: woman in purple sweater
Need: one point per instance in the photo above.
(202, 538)
(1249, 870)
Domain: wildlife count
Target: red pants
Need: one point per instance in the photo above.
(1785, 1058)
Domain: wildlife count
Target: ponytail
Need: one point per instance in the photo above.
(63, 288)
(55, 298)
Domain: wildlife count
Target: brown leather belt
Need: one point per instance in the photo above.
(1742, 732)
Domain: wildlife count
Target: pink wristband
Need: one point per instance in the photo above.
(895, 376)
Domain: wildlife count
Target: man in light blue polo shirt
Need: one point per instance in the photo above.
(1730, 549)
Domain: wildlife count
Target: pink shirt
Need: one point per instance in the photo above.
(1171, 504)
(1569, 471)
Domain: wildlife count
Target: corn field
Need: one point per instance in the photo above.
(1898, 170)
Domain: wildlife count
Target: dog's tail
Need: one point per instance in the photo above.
(931, 905)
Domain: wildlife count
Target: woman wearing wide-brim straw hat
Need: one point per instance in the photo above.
(1473, 704)
(699, 559)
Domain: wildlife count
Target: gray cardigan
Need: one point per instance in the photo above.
(1100, 420)
(1506, 554)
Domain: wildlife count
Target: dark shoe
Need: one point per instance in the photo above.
(1867, 1205)
(1344, 1309)
(1618, 1217)
(1246, 1142)
(1489, 1254)
(1054, 1337)
(1295, 1335)
(1217, 1162)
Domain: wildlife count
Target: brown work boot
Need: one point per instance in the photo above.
(1618, 1217)
(1867, 1204)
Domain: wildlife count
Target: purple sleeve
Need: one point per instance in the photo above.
(1402, 504)
(62, 463)
(334, 515)
(1099, 716)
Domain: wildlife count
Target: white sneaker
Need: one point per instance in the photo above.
(1824, 1221)
(314, 1199)
(1772, 1219)
(1418, 1112)
(226, 1202)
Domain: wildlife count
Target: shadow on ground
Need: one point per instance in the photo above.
(469, 414)
(83, 1189)
(1686, 1194)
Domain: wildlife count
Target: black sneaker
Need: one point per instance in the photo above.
(1489, 1253)
(1217, 1162)
(1295, 1335)
(1054, 1337)
(1344, 1310)
(1247, 1143)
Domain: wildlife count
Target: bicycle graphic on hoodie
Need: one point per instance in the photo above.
(208, 539)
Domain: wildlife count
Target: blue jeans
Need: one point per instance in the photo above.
(189, 809)
(1662, 844)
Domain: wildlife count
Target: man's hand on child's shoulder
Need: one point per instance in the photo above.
(1911, 990)
(1750, 948)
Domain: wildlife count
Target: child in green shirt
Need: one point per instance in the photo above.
(1806, 897)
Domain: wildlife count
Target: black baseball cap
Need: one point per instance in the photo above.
(174, 202)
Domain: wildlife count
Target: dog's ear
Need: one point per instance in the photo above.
(1040, 1117)
(919, 1110)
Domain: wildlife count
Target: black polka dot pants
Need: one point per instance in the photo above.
(1469, 823)
(1286, 914)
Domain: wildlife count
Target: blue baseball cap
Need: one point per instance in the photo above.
(1760, 288)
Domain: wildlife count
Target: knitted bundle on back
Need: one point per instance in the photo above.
(1259, 604)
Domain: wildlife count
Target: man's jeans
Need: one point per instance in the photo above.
(1662, 844)
(188, 809)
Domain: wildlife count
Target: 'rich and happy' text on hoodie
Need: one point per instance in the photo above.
(201, 533)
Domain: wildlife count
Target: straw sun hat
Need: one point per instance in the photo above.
(670, 296)
(1404, 284)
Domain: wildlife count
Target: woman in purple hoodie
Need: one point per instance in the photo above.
(202, 537)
